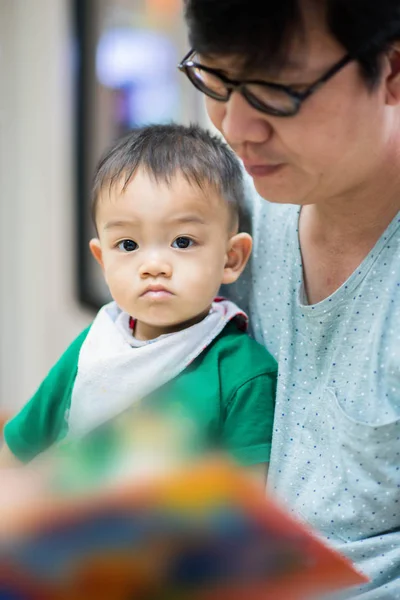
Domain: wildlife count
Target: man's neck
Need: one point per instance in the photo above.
(336, 235)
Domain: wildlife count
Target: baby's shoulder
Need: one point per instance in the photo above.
(241, 354)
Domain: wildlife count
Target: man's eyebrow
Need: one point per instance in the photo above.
(289, 63)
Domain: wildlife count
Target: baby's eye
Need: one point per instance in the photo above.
(127, 246)
(182, 243)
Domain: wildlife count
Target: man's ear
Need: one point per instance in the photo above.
(238, 254)
(393, 77)
(95, 249)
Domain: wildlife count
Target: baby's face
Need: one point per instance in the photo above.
(163, 249)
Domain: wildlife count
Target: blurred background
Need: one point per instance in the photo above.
(74, 75)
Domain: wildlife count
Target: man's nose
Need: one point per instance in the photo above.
(243, 124)
(155, 265)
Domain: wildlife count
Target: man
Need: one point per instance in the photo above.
(307, 93)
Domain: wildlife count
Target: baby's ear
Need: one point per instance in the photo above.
(95, 249)
(239, 250)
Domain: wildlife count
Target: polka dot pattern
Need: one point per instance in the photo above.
(336, 447)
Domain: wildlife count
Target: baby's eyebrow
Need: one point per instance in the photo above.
(179, 219)
(188, 219)
(115, 224)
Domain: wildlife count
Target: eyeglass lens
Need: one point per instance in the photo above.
(260, 96)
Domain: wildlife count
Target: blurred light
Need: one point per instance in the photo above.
(164, 6)
(126, 56)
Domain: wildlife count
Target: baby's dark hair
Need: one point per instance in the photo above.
(165, 150)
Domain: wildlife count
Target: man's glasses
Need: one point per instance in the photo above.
(270, 98)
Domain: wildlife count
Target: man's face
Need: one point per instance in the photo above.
(330, 148)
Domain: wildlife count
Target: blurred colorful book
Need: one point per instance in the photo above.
(205, 531)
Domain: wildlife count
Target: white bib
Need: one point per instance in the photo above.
(113, 374)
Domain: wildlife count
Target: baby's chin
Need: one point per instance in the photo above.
(172, 324)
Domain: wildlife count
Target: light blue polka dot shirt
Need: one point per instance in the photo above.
(336, 446)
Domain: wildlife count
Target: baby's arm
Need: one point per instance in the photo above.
(259, 472)
(42, 421)
(7, 459)
(247, 427)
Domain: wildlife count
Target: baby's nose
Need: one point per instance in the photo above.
(155, 267)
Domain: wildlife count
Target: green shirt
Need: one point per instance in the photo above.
(228, 391)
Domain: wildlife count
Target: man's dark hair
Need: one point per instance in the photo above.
(258, 31)
(163, 151)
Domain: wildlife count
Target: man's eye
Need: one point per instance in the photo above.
(127, 246)
(182, 243)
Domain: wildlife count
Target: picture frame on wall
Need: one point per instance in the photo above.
(126, 52)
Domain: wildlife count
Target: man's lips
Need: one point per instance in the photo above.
(262, 170)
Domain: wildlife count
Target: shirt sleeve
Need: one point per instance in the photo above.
(42, 421)
(248, 423)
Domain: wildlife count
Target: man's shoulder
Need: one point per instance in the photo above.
(272, 222)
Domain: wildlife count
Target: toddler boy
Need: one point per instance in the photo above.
(166, 202)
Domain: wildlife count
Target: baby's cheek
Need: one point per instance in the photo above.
(117, 273)
(120, 285)
(204, 284)
(213, 270)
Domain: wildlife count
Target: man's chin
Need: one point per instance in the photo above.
(279, 196)
(273, 196)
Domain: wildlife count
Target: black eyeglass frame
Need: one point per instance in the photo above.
(186, 66)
